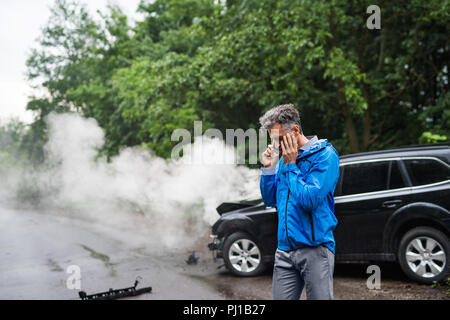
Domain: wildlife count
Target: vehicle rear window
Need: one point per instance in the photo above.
(365, 177)
(426, 171)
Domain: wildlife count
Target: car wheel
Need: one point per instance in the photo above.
(424, 254)
(242, 255)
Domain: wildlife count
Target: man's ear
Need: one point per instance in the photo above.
(296, 129)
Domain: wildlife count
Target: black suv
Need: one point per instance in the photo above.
(391, 205)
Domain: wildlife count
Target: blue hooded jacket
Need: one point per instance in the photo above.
(303, 194)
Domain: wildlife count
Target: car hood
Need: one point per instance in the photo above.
(237, 205)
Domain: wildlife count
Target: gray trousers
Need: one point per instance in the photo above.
(310, 266)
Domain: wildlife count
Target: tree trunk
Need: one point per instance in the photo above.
(342, 102)
(348, 119)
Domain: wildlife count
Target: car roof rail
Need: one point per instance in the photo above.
(417, 147)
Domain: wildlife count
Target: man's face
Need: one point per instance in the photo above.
(277, 133)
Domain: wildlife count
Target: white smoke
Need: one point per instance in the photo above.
(155, 199)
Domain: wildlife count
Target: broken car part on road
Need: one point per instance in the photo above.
(118, 293)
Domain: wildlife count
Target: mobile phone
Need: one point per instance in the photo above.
(278, 150)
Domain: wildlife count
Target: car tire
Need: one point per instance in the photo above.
(424, 255)
(242, 255)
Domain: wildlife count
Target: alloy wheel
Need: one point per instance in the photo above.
(425, 257)
(244, 255)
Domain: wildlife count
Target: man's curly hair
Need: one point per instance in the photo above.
(286, 115)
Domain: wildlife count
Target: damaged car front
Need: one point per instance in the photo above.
(245, 236)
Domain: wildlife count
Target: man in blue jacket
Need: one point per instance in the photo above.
(301, 185)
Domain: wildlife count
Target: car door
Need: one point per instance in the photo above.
(370, 192)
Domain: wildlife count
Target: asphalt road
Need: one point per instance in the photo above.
(37, 248)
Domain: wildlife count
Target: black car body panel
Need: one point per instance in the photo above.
(258, 220)
(370, 224)
(231, 206)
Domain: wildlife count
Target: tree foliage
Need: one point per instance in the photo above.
(226, 62)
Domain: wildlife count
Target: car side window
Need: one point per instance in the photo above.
(338, 191)
(426, 171)
(365, 177)
(396, 179)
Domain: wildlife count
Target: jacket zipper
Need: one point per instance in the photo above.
(312, 226)
(285, 219)
(310, 213)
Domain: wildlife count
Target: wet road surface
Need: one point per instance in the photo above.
(36, 249)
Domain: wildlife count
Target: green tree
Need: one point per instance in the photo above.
(226, 62)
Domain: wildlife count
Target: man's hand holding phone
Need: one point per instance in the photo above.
(270, 157)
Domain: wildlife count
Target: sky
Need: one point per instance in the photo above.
(20, 24)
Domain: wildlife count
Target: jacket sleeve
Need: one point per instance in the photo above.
(268, 186)
(323, 175)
